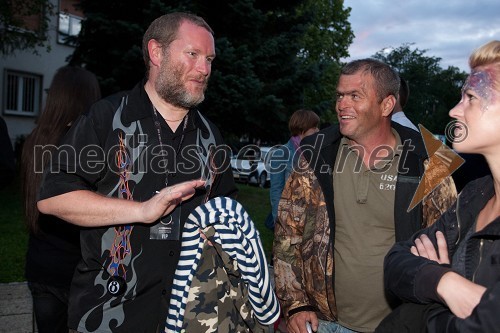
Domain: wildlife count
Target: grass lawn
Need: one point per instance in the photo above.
(256, 202)
(13, 236)
(14, 239)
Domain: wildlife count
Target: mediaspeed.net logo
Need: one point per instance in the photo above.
(443, 161)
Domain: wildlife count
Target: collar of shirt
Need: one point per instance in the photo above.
(138, 106)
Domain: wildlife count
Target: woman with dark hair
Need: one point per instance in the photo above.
(54, 245)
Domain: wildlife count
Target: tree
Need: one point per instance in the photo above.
(324, 44)
(273, 57)
(24, 24)
(110, 41)
(433, 90)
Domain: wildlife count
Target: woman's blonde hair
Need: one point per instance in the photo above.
(487, 55)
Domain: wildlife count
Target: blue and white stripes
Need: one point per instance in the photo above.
(236, 233)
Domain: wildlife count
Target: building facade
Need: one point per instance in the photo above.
(26, 76)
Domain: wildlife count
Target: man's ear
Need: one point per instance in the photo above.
(155, 52)
(388, 104)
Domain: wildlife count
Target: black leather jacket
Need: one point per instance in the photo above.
(415, 279)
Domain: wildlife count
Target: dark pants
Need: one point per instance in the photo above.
(409, 318)
(50, 305)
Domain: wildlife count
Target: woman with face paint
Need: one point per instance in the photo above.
(448, 275)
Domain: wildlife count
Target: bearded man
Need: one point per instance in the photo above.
(130, 171)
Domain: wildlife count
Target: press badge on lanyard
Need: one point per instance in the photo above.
(169, 227)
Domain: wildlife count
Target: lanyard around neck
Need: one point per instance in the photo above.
(158, 131)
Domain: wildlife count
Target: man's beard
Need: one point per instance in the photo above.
(170, 87)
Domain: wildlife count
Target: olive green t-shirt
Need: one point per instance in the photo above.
(364, 219)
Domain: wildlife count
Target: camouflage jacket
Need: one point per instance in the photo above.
(225, 286)
(218, 299)
(305, 228)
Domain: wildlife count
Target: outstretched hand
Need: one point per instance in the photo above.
(165, 201)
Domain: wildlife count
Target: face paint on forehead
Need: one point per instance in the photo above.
(481, 83)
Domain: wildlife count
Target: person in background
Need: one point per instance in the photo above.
(7, 157)
(301, 124)
(53, 245)
(398, 114)
(452, 267)
(346, 205)
(140, 162)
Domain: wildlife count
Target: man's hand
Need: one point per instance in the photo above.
(297, 322)
(165, 201)
(89, 209)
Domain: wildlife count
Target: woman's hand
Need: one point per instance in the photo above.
(424, 248)
(459, 294)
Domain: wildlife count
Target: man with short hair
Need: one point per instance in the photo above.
(398, 114)
(347, 204)
(156, 163)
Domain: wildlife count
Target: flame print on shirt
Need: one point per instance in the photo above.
(121, 245)
(119, 256)
(205, 150)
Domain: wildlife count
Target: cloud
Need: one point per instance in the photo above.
(449, 30)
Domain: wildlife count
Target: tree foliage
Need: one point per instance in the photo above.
(273, 57)
(24, 25)
(322, 51)
(433, 90)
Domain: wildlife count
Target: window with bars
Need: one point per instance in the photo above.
(22, 92)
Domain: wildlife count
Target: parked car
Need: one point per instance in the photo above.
(251, 165)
